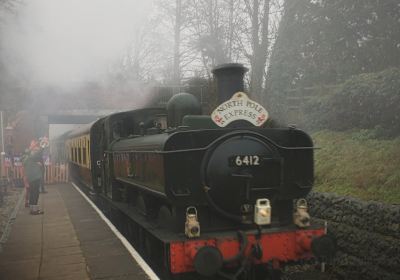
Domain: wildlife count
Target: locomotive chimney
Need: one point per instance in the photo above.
(229, 80)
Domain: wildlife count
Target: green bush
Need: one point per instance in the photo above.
(355, 163)
(366, 101)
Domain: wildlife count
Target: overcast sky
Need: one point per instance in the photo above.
(61, 42)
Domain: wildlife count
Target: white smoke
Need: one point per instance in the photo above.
(66, 42)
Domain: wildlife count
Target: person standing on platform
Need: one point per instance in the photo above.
(26, 184)
(41, 188)
(43, 142)
(33, 173)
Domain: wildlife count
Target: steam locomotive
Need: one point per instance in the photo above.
(211, 196)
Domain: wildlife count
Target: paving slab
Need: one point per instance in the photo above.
(24, 270)
(43, 246)
(105, 255)
(69, 241)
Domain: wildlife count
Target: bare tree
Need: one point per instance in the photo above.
(259, 42)
(210, 33)
(145, 57)
(8, 7)
(257, 36)
(234, 30)
(12, 84)
(173, 16)
(177, 41)
(200, 34)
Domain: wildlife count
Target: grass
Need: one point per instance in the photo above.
(356, 164)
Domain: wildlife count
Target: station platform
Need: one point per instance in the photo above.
(69, 241)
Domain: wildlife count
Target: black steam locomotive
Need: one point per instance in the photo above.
(216, 196)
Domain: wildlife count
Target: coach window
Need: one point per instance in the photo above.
(79, 152)
(73, 151)
(88, 151)
(84, 152)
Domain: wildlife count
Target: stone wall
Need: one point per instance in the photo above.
(367, 235)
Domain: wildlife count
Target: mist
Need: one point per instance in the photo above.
(64, 44)
(327, 72)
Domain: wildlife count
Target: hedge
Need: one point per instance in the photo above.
(366, 101)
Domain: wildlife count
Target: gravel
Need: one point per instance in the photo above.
(367, 235)
(10, 200)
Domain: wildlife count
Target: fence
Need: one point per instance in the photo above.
(54, 173)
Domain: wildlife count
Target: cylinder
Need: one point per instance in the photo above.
(229, 79)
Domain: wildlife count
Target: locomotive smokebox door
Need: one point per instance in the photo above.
(192, 225)
(262, 212)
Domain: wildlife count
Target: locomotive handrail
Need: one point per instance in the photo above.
(136, 184)
(242, 132)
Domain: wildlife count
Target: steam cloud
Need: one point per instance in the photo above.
(65, 42)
